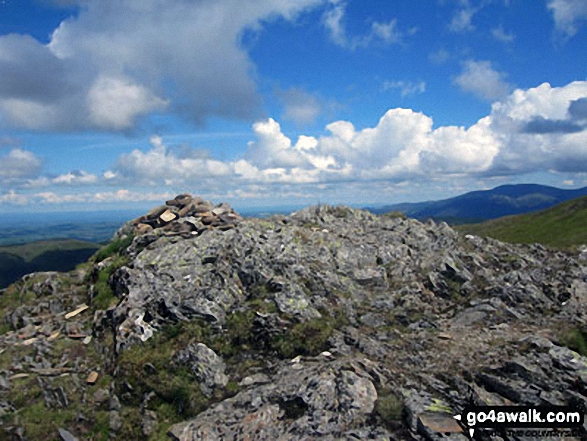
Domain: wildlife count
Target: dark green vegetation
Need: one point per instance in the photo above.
(576, 339)
(50, 255)
(562, 226)
(478, 206)
(114, 247)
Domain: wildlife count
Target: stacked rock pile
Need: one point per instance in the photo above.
(186, 215)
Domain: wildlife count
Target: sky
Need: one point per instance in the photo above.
(111, 104)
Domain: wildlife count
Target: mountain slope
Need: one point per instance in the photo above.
(48, 255)
(330, 323)
(478, 206)
(563, 226)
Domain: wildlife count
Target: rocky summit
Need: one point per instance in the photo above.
(328, 324)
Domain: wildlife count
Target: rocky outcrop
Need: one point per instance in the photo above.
(331, 323)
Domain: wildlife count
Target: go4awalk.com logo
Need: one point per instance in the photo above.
(521, 417)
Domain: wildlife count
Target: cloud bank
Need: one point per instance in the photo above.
(539, 129)
(542, 129)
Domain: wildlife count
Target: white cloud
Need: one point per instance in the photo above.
(50, 197)
(274, 152)
(480, 79)
(332, 20)
(406, 88)
(13, 198)
(501, 35)
(568, 15)
(18, 164)
(404, 145)
(116, 61)
(71, 179)
(160, 164)
(461, 20)
(115, 103)
(537, 130)
(380, 32)
(441, 56)
(550, 149)
(76, 178)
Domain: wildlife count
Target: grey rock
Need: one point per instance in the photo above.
(311, 401)
(205, 364)
(115, 421)
(66, 436)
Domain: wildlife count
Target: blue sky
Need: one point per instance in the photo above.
(122, 104)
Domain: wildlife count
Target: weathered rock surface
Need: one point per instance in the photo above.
(331, 323)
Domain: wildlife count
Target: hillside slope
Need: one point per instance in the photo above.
(478, 206)
(328, 324)
(48, 255)
(562, 226)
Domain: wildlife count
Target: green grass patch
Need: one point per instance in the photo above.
(39, 422)
(576, 339)
(393, 215)
(105, 296)
(389, 407)
(562, 226)
(116, 246)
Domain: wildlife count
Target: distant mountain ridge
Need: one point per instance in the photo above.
(478, 206)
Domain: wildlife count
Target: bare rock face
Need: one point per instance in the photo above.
(205, 364)
(330, 323)
(307, 399)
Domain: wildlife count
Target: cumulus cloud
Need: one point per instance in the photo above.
(535, 130)
(551, 145)
(532, 130)
(17, 165)
(542, 129)
(480, 79)
(108, 66)
(568, 15)
(162, 165)
(380, 32)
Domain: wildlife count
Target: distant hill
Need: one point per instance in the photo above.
(562, 226)
(48, 255)
(479, 206)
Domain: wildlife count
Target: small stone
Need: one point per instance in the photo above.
(143, 229)
(101, 395)
(167, 216)
(115, 421)
(17, 376)
(66, 436)
(92, 378)
(75, 312)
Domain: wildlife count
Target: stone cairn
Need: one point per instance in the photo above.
(186, 215)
